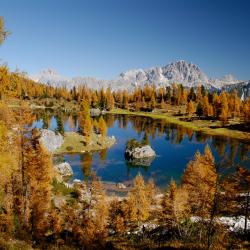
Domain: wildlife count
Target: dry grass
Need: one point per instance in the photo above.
(75, 143)
(205, 126)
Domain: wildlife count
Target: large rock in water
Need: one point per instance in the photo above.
(140, 152)
(50, 140)
(64, 169)
(95, 112)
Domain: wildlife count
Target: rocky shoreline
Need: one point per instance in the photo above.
(73, 142)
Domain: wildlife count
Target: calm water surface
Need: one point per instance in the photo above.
(175, 146)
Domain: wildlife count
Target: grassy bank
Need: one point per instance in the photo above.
(204, 126)
(75, 143)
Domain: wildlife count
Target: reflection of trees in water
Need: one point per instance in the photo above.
(131, 167)
(75, 119)
(201, 137)
(190, 133)
(46, 121)
(219, 143)
(110, 120)
(71, 122)
(60, 124)
(86, 164)
(244, 152)
(229, 150)
(103, 154)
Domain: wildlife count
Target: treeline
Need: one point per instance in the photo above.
(197, 101)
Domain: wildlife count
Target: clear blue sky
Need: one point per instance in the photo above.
(103, 38)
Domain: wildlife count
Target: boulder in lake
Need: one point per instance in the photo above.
(140, 152)
(64, 169)
(140, 156)
(50, 140)
(95, 112)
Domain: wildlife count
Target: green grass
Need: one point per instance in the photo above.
(61, 188)
(196, 125)
(74, 143)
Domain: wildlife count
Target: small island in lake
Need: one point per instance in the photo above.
(139, 153)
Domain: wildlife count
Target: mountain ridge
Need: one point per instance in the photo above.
(186, 73)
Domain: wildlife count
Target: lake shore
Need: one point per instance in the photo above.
(204, 126)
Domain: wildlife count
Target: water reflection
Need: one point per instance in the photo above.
(174, 145)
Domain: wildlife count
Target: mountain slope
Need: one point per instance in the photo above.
(182, 72)
(242, 88)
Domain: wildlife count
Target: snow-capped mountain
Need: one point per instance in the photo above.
(242, 88)
(182, 72)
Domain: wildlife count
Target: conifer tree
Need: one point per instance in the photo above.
(110, 99)
(138, 202)
(60, 127)
(40, 178)
(85, 122)
(199, 180)
(94, 100)
(199, 109)
(125, 100)
(102, 127)
(152, 102)
(190, 109)
(174, 205)
(246, 110)
(206, 107)
(163, 104)
(224, 108)
(117, 216)
(234, 104)
(3, 32)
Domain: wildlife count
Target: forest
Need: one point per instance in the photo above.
(188, 215)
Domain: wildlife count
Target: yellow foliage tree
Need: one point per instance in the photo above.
(199, 180)
(138, 202)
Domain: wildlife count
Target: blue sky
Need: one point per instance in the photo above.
(103, 38)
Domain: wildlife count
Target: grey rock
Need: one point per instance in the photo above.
(242, 89)
(121, 185)
(50, 140)
(95, 112)
(77, 181)
(140, 152)
(64, 169)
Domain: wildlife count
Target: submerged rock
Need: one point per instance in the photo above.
(50, 140)
(64, 169)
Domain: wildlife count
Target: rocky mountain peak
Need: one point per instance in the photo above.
(181, 71)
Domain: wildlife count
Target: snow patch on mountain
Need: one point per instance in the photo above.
(188, 74)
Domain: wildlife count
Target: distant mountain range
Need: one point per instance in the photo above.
(188, 74)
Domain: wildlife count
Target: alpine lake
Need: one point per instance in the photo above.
(174, 145)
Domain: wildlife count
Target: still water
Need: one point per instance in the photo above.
(174, 145)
